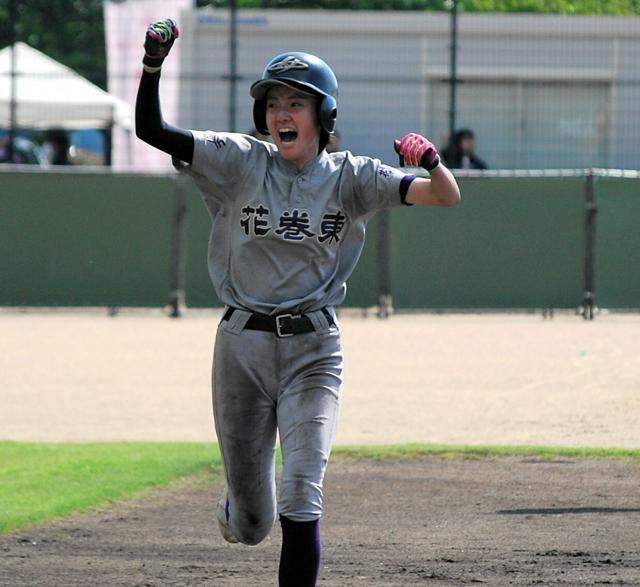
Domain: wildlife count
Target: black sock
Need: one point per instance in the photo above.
(300, 556)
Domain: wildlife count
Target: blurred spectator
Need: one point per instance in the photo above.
(4, 146)
(25, 151)
(460, 153)
(57, 146)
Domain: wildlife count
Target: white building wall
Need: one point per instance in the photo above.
(539, 90)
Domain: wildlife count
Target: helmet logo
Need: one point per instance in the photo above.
(290, 62)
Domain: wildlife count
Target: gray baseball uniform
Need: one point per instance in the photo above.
(282, 241)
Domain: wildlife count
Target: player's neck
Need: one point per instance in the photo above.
(302, 163)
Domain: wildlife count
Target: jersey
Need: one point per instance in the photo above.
(284, 240)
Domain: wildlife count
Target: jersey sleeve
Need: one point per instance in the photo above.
(377, 186)
(222, 162)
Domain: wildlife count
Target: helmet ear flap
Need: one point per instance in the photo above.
(260, 116)
(328, 113)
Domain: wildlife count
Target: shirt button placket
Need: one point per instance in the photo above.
(297, 193)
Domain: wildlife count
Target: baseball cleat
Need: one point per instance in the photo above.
(222, 513)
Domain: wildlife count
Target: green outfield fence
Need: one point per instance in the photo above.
(519, 240)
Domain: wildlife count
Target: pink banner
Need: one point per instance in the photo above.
(125, 24)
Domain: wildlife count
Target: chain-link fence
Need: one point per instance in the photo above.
(536, 91)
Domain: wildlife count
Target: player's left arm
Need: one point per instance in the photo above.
(441, 189)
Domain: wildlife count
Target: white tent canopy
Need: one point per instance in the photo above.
(49, 94)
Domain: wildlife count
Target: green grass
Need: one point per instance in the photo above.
(41, 482)
(413, 451)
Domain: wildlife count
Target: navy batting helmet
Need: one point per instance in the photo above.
(305, 72)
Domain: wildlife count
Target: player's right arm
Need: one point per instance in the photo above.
(150, 126)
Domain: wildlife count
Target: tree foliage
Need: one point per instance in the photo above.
(69, 31)
(586, 7)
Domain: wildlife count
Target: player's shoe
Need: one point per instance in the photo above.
(222, 513)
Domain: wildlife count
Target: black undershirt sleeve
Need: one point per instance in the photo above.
(152, 129)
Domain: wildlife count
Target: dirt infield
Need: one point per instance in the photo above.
(394, 524)
(476, 379)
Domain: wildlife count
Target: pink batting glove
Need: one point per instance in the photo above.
(416, 151)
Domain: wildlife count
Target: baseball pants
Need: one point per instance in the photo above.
(264, 385)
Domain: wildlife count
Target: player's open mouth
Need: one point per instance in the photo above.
(288, 135)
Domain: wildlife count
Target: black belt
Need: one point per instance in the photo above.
(282, 325)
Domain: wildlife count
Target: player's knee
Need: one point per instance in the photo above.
(251, 536)
(252, 529)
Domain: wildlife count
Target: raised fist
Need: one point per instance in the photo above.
(159, 40)
(416, 151)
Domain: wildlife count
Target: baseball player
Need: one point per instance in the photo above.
(288, 226)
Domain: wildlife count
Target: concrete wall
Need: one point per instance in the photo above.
(85, 239)
(105, 239)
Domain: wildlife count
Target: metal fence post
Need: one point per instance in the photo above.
(13, 74)
(384, 293)
(453, 75)
(233, 65)
(177, 296)
(591, 210)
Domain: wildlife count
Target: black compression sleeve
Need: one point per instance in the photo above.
(152, 129)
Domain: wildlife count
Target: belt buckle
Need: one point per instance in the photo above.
(279, 325)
